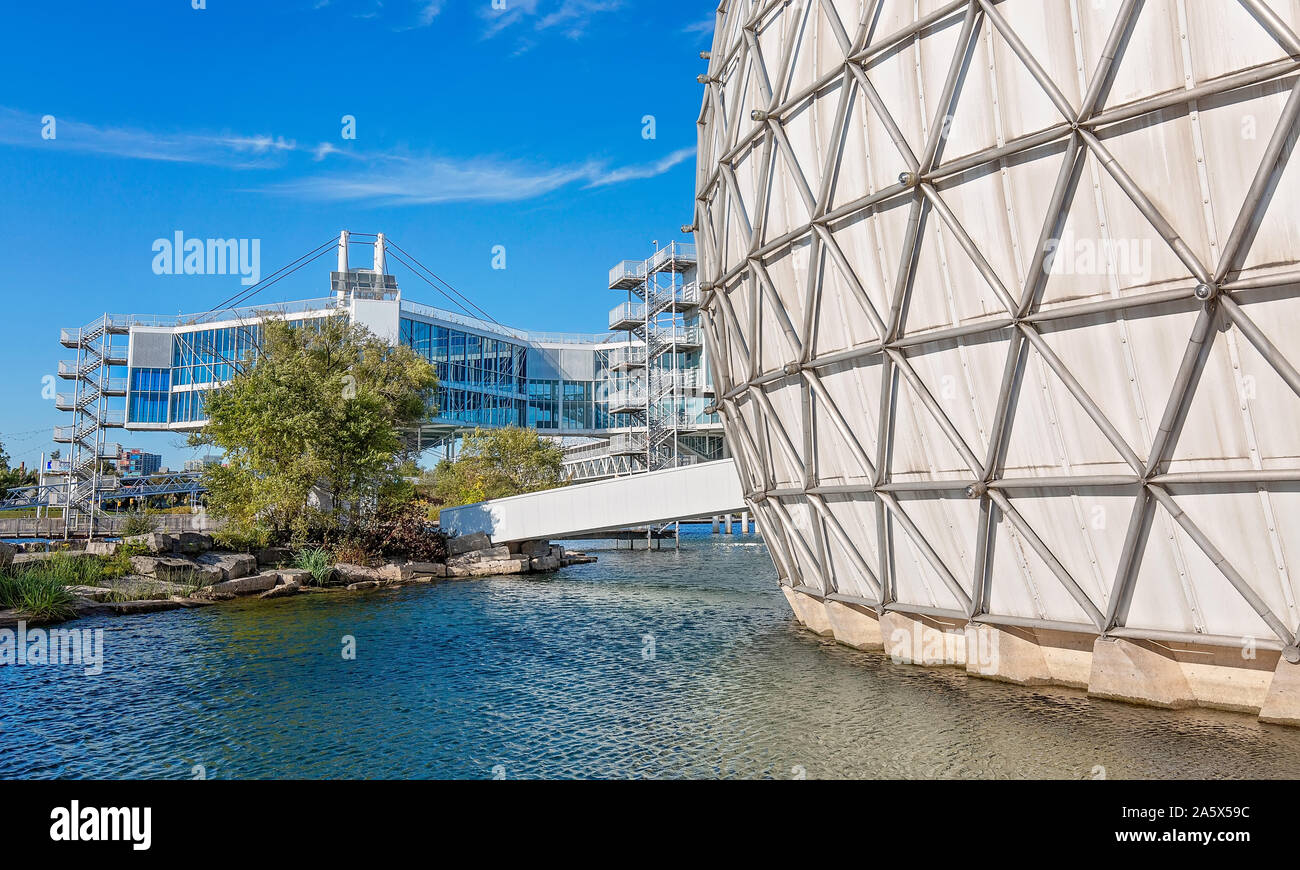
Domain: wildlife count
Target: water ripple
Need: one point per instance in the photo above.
(553, 678)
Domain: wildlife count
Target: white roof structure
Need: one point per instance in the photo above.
(1002, 303)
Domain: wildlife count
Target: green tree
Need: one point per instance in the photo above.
(313, 428)
(497, 463)
(12, 477)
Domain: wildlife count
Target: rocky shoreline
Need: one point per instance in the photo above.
(183, 570)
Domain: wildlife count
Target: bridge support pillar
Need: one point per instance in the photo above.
(715, 524)
(808, 610)
(1027, 656)
(1282, 703)
(1178, 675)
(728, 525)
(1139, 672)
(912, 639)
(854, 625)
(744, 523)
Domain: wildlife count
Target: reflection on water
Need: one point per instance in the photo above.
(645, 664)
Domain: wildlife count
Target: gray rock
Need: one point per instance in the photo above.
(193, 543)
(395, 572)
(284, 589)
(274, 556)
(545, 563)
(465, 543)
(490, 554)
(231, 565)
(7, 552)
(535, 548)
(154, 542)
(489, 568)
(194, 602)
(142, 588)
(349, 573)
(176, 570)
(245, 585)
(364, 584)
(294, 575)
(434, 569)
(101, 548)
(94, 593)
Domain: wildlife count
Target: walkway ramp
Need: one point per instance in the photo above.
(701, 490)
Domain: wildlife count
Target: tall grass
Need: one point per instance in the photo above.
(66, 569)
(39, 589)
(317, 562)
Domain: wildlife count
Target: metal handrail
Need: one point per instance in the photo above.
(627, 312)
(634, 269)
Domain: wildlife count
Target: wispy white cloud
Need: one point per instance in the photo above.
(406, 180)
(649, 170)
(429, 11)
(570, 17)
(394, 178)
(704, 25)
(219, 149)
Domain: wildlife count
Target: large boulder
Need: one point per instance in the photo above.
(93, 593)
(284, 589)
(427, 569)
(489, 568)
(168, 565)
(535, 548)
(153, 542)
(172, 569)
(101, 548)
(274, 556)
(193, 543)
(488, 554)
(232, 565)
(244, 585)
(7, 552)
(395, 572)
(545, 563)
(348, 574)
(294, 575)
(465, 543)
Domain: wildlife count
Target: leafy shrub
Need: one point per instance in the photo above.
(242, 539)
(139, 523)
(119, 564)
(316, 560)
(400, 531)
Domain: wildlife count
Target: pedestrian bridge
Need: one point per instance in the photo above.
(701, 490)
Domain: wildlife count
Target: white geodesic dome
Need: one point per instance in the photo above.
(1001, 300)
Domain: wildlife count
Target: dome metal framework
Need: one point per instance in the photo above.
(998, 298)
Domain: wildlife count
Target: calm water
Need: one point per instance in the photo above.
(549, 678)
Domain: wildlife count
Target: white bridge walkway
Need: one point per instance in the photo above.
(701, 490)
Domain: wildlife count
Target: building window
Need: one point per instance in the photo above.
(148, 395)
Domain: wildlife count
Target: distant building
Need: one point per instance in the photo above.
(638, 397)
(134, 462)
(201, 463)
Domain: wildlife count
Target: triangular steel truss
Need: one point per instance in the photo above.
(853, 291)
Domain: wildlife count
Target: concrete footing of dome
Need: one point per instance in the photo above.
(1152, 673)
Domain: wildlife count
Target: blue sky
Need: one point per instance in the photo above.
(475, 127)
